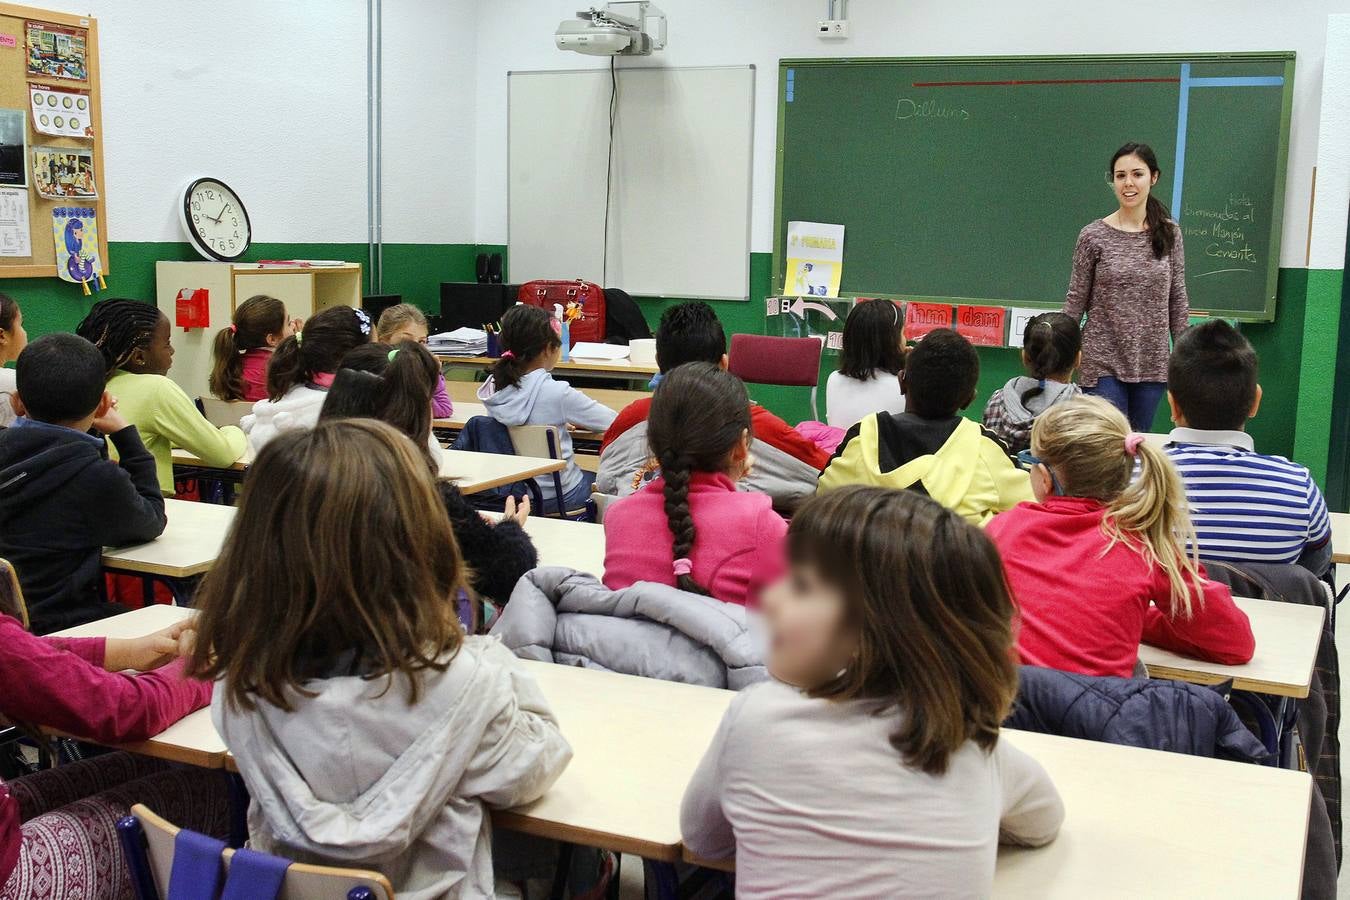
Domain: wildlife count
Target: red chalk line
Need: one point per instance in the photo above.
(930, 84)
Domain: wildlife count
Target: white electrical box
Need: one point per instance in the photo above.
(832, 29)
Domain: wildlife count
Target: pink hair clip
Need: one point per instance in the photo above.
(233, 328)
(683, 566)
(1132, 442)
(507, 354)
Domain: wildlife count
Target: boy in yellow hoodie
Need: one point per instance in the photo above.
(930, 447)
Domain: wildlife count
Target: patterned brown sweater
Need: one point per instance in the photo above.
(1133, 302)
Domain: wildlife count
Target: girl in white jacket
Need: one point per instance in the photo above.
(369, 730)
(301, 371)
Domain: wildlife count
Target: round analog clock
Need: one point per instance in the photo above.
(215, 221)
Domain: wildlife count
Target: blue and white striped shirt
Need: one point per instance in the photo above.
(1247, 507)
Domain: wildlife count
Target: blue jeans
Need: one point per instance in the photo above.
(1137, 400)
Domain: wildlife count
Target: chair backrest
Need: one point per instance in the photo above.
(602, 502)
(760, 359)
(536, 440)
(224, 412)
(303, 881)
(11, 594)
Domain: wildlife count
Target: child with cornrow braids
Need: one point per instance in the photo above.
(134, 339)
(691, 528)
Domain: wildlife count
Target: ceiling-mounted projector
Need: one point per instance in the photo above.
(618, 29)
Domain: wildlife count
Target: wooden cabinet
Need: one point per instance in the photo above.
(305, 291)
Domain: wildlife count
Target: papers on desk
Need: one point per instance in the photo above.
(609, 352)
(460, 342)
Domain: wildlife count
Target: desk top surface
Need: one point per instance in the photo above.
(1287, 637)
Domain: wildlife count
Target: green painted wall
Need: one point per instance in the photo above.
(1298, 349)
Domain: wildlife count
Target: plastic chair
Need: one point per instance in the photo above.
(150, 845)
(224, 412)
(545, 441)
(793, 362)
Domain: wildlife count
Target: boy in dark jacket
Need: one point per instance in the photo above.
(61, 499)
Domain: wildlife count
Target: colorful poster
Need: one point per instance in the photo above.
(75, 230)
(921, 318)
(815, 259)
(1018, 317)
(56, 52)
(983, 326)
(64, 173)
(13, 148)
(14, 235)
(60, 112)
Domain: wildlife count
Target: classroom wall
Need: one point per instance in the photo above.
(516, 34)
(271, 97)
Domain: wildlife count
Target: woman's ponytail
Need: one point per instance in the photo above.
(227, 371)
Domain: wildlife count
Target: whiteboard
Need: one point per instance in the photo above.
(679, 213)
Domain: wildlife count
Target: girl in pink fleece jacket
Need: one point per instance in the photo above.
(690, 528)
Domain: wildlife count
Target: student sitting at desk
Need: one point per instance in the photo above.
(868, 380)
(61, 499)
(1247, 507)
(1099, 563)
(405, 322)
(930, 447)
(13, 339)
(135, 340)
(301, 370)
(787, 465)
(873, 766)
(369, 730)
(66, 845)
(1052, 347)
(243, 349)
(395, 385)
(690, 528)
(520, 391)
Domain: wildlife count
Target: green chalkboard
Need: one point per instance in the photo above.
(968, 179)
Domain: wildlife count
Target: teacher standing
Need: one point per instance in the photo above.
(1129, 277)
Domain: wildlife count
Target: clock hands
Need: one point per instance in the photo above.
(222, 214)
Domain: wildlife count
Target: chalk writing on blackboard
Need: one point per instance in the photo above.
(906, 108)
(1222, 232)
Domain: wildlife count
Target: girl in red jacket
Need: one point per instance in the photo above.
(691, 528)
(57, 835)
(1098, 562)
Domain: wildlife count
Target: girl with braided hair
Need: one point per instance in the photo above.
(134, 339)
(691, 528)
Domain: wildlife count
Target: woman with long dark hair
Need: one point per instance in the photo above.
(1129, 278)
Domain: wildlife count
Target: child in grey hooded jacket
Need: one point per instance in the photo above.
(1052, 348)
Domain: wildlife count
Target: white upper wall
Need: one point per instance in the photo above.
(271, 97)
(518, 34)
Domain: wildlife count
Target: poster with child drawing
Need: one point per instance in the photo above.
(75, 230)
(64, 173)
(815, 259)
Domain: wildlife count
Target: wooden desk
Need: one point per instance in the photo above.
(192, 739)
(467, 392)
(189, 546)
(1146, 823)
(471, 472)
(576, 545)
(1340, 537)
(1287, 636)
(465, 411)
(620, 369)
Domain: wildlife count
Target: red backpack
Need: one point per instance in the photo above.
(591, 326)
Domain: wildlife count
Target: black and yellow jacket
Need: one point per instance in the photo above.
(954, 461)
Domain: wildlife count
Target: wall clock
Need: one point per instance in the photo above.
(215, 220)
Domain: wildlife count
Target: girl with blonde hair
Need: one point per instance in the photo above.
(1098, 563)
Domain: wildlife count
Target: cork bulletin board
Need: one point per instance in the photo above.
(65, 57)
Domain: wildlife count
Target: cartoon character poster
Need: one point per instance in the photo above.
(56, 52)
(815, 259)
(75, 229)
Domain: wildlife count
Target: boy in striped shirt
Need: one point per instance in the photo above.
(1247, 507)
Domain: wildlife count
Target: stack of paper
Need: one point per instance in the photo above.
(460, 342)
(611, 352)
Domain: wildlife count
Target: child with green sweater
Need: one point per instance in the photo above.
(134, 339)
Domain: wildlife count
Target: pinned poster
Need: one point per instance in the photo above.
(14, 240)
(1018, 317)
(61, 173)
(983, 326)
(75, 230)
(815, 259)
(56, 52)
(62, 113)
(921, 318)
